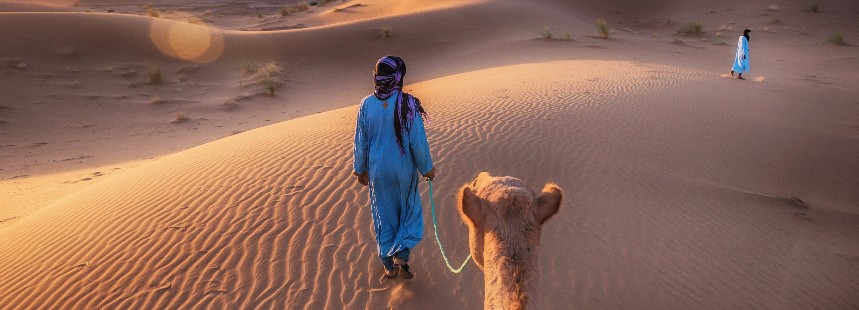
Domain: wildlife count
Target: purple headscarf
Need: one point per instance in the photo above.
(388, 78)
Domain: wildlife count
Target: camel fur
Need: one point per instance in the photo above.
(504, 218)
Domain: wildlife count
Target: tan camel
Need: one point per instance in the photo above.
(504, 218)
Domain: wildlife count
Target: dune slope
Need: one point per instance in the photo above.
(658, 213)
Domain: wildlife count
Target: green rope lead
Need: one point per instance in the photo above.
(435, 227)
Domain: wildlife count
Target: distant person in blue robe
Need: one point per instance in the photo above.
(741, 62)
(391, 152)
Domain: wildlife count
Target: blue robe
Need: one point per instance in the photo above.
(394, 199)
(741, 62)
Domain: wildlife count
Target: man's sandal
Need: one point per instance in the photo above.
(404, 268)
(390, 274)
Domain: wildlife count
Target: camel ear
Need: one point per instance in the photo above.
(548, 203)
(469, 207)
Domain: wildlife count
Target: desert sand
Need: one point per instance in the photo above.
(227, 182)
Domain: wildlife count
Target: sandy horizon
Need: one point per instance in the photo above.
(185, 155)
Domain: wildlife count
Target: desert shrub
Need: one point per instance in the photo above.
(301, 7)
(568, 36)
(546, 33)
(231, 103)
(691, 29)
(271, 69)
(270, 87)
(386, 32)
(814, 8)
(602, 26)
(180, 117)
(155, 76)
(153, 12)
(264, 78)
(836, 38)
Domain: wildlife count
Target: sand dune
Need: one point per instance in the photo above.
(37, 6)
(685, 188)
(251, 220)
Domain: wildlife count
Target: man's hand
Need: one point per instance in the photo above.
(363, 178)
(430, 175)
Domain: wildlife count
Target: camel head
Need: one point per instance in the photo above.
(504, 217)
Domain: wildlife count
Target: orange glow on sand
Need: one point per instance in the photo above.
(190, 42)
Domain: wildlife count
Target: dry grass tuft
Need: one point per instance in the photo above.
(691, 29)
(271, 69)
(836, 38)
(546, 33)
(289, 9)
(602, 27)
(271, 73)
(270, 87)
(267, 77)
(814, 8)
(180, 117)
(155, 77)
(386, 32)
(153, 12)
(231, 103)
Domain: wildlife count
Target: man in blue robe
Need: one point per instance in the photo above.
(391, 152)
(741, 61)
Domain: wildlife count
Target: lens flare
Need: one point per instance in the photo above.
(189, 42)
